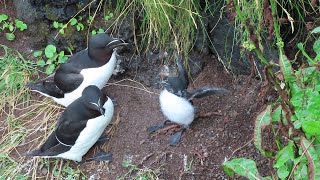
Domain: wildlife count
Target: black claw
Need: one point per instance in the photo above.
(175, 138)
(103, 138)
(100, 156)
(154, 128)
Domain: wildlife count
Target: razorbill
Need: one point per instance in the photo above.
(79, 126)
(92, 66)
(176, 101)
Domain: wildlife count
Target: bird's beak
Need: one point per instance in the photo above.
(116, 43)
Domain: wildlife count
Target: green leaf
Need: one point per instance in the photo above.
(313, 159)
(283, 172)
(56, 24)
(80, 27)
(315, 30)
(100, 30)
(61, 31)
(3, 17)
(276, 114)
(10, 36)
(11, 28)
(284, 155)
(73, 21)
(261, 121)
(93, 32)
(37, 53)
(41, 63)
(49, 70)
(286, 68)
(61, 54)
(21, 25)
(50, 51)
(243, 167)
(62, 59)
(316, 46)
(311, 127)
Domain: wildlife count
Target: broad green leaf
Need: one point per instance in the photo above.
(11, 28)
(301, 171)
(21, 25)
(3, 17)
(297, 99)
(73, 21)
(62, 59)
(41, 63)
(61, 54)
(283, 172)
(100, 30)
(37, 53)
(50, 51)
(316, 46)
(243, 167)
(314, 103)
(56, 24)
(315, 30)
(286, 68)
(93, 32)
(49, 70)
(311, 127)
(284, 155)
(10, 36)
(80, 27)
(276, 114)
(313, 159)
(261, 121)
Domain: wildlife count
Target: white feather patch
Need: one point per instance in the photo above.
(176, 109)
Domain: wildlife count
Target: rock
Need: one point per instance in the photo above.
(25, 11)
(226, 47)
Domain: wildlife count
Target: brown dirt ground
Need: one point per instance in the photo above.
(206, 145)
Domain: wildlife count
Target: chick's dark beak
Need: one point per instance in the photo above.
(116, 43)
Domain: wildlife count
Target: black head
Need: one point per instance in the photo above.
(93, 98)
(101, 46)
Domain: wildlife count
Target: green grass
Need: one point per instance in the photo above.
(25, 123)
(140, 173)
(161, 23)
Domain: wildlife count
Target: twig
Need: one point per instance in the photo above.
(146, 158)
(134, 87)
(241, 147)
(60, 168)
(296, 164)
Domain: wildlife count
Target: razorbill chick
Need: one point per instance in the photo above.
(176, 101)
(92, 66)
(79, 126)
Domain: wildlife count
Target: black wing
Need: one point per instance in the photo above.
(68, 77)
(206, 91)
(47, 87)
(68, 131)
(50, 148)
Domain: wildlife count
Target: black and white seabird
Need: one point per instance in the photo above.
(79, 126)
(92, 66)
(176, 101)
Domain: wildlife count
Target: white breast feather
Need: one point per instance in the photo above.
(90, 134)
(92, 76)
(176, 109)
